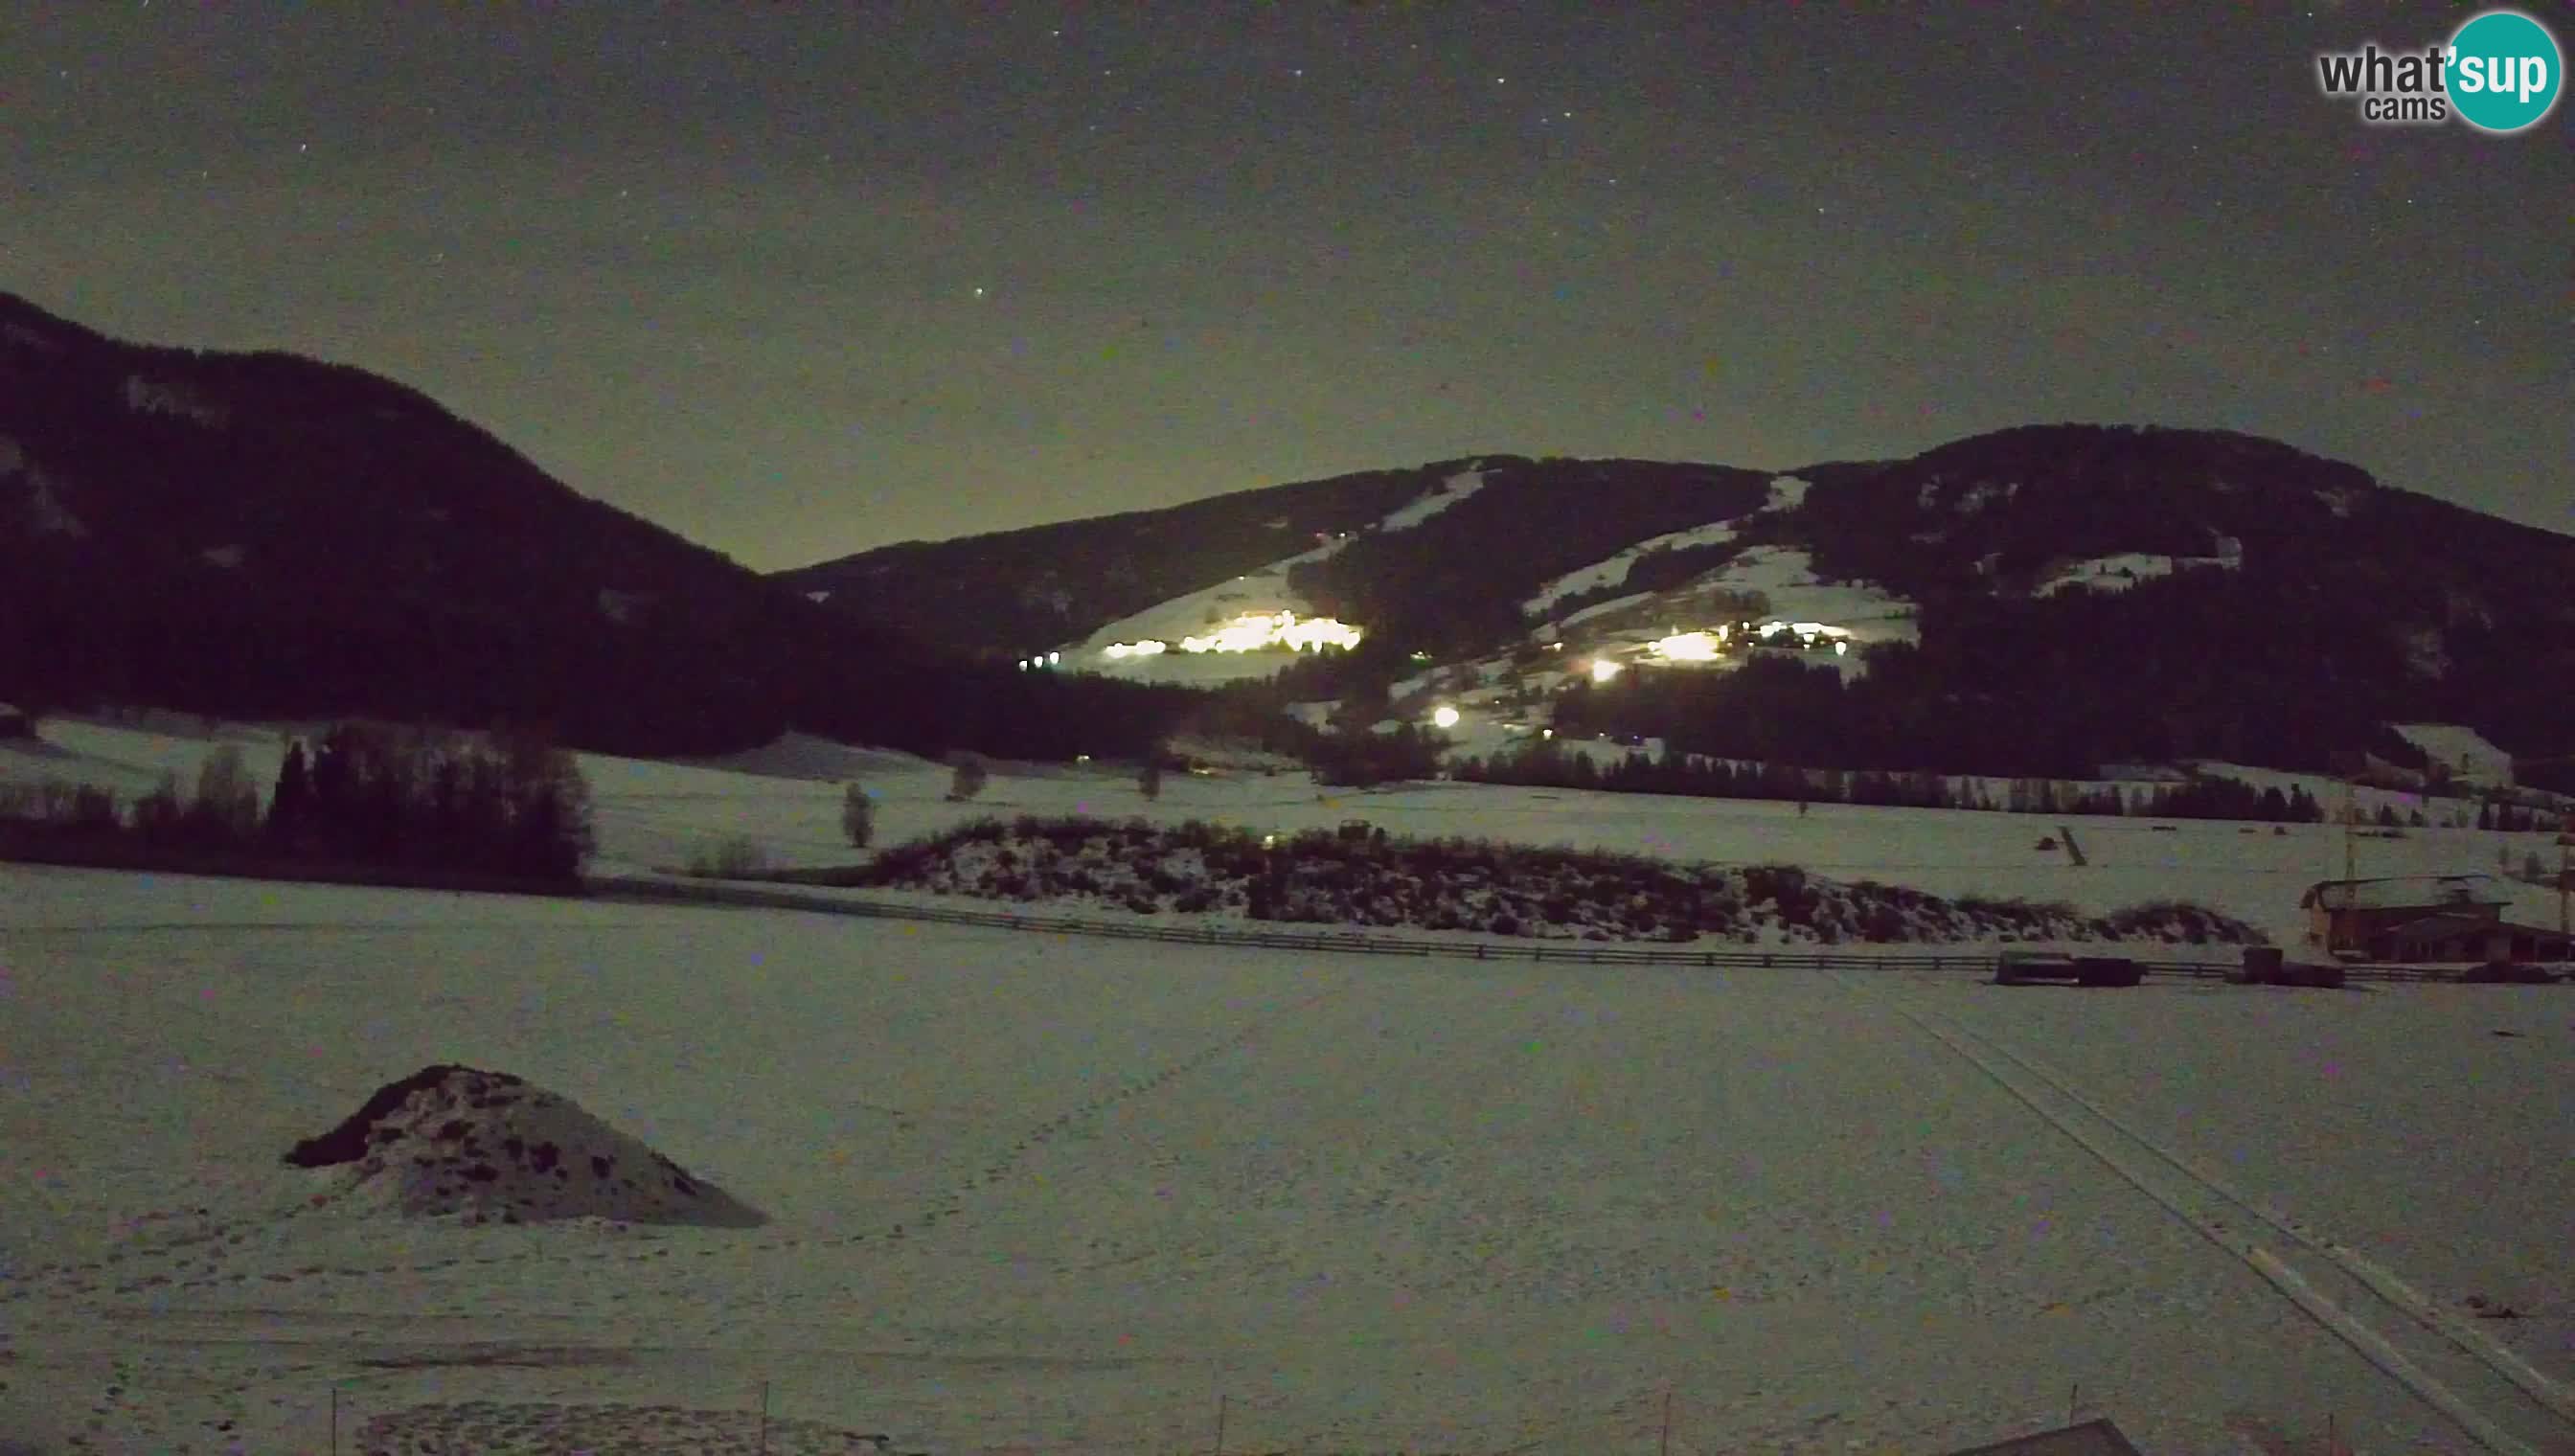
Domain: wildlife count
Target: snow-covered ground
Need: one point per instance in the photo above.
(1549, 631)
(1028, 1191)
(1611, 571)
(1421, 507)
(2119, 572)
(786, 799)
(1786, 576)
(2461, 751)
(1262, 593)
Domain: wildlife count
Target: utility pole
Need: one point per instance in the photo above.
(2347, 812)
(2565, 876)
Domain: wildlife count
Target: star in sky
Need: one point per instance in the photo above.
(673, 254)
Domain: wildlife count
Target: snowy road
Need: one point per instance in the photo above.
(1385, 1204)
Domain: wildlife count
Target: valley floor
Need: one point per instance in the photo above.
(786, 799)
(1073, 1195)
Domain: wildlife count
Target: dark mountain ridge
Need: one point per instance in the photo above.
(262, 535)
(2248, 599)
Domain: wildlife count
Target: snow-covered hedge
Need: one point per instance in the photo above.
(1359, 876)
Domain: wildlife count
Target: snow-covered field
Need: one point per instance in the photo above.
(1786, 576)
(1032, 1193)
(786, 798)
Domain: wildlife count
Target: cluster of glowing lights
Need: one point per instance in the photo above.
(1690, 647)
(1807, 633)
(1252, 632)
(1041, 660)
(1708, 645)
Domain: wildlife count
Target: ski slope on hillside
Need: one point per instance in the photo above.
(1611, 571)
(1786, 576)
(2463, 751)
(1259, 593)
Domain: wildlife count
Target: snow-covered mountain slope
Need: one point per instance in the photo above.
(2066, 596)
(2460, 752)
(2119, 572)
(1786, 576)
(1163, 643)
(1190, 638)
(1452, 490)
(1613, 570)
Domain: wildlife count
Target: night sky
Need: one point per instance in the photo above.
(799, 280)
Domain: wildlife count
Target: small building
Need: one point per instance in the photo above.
(2347, 914)
(2445, 937)
(2425, 918)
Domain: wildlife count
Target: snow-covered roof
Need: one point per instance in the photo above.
(2442, 928)
(2404, 891)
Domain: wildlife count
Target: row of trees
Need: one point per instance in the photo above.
(512, 805)
(966, 776)
(2511, 820)
(1548, 764)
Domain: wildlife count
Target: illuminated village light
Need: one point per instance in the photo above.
(1252, 632)
(1689, 646)
(1710, 644)
(1258, 630)
(1603, 669)
(1443, 716)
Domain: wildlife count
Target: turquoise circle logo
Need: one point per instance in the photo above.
(2504, 71)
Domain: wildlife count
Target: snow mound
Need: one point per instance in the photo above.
(488, 1146)
(480, 1425)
